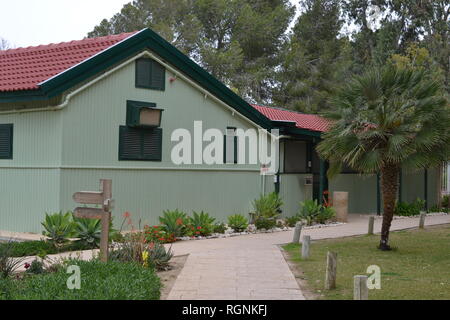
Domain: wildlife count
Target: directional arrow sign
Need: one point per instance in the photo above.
(89, 213)
(86, 197)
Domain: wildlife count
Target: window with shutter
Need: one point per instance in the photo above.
(150, 75)
(140, 144)
(6, 141)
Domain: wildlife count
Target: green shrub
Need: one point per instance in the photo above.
(201, 224)
(267, 206)
(238, 222)
(325, 214)
(58, 227)
(446, 201)
(265, 223)
(42, 248)
(88, 232)
(174, 222)
(99, 281)
(409, 209)
(158, 234)
(312, 212)
(30, 248)
(291, 221)
(35, 267)
(219, 228)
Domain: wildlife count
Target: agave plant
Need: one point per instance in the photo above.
(237, 222)
(158, 256)
(58, 227)
(267, 206)
(309, 211)
(88, 231)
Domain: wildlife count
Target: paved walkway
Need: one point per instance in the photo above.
(252, 266)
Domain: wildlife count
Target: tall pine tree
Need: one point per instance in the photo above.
(314, 59)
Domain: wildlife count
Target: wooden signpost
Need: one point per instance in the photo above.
(103, 198)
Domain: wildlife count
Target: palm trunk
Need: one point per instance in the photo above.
(389, 186)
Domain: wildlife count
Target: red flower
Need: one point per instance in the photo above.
(197, 232)
(199, 228)
(126, 215)
(27, 265)
(155, 227)
(179, 222)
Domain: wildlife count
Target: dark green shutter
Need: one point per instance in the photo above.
(6, 141)
(150, 75)
(152, 144)
(158, 76)
(140, 144)
(143, 73)
(129, 144)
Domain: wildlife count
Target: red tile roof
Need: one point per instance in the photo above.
(303, 121)
(26, 68)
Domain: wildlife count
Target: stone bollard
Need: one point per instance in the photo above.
(305, 247)
(330, 276)
(422, 220)
(371, 223)
(297, 232)
(340, 204)
(360, 290)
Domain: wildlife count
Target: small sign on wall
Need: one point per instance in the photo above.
(308, 181)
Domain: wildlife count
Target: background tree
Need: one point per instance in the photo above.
(248, 44)
(387, 120)
(398, 25)
(236, 40)
(314, 60)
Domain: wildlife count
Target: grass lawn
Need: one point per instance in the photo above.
(418, 267)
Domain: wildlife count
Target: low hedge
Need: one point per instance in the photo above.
(34, 248)
(99, 281)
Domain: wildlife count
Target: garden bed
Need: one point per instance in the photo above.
(230, 233)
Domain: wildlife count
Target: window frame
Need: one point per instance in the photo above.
(161, 87)
(9, 156)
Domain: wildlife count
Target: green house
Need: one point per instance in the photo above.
(108, 108)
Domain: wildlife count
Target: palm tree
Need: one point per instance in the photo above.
(386, 120)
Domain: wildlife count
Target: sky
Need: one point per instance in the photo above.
(33, 22)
